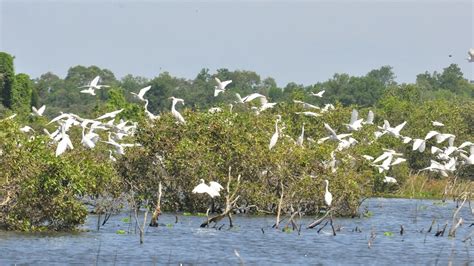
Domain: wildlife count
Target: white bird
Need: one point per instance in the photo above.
(110, 115)
(111, 157)
(220, 86)
(212, 190)
(319, 94)
(90, 139)
(332, 135)
(141, 93)
(354, 124)
(150, 115)
(442, 137)
(470, 54)
(368, 157)
(38, 112)
(174, 112)
(214, 110)
(370, 118)
(307, 113)
(389, 179)
(394, 131)
(437, 124)
(300, 139)
(94, 84)
(275, 135)
(306, 105)
(327, 195)
(26, 129)
(90, 91)
(327, 107)
(419, 144)
(265, 104)
(64, 144)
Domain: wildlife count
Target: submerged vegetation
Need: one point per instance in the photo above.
(39, 190)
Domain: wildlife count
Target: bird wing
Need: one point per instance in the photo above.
(142, 92)
(215, 186)
(354, 116)
(399, 127)
(95, 81)
(431, 134)
(41, 110)
(330, 130)
(201, 188)
(225, 83)
(417, 143)
(370, 117)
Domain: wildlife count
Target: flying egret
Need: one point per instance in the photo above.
(332, 135)
(141, 93)
(64, 144)
(437, 124)
(220, 86)
(306, 105)
(370, 118)
(470, 54)
(110, 115)
(327, 195)
(307, 113)
(355, 124)
(319, 94)
(38, 112)
(94, 84)
(394, 131)
(212, 190)
(419, 144)
(174, 112)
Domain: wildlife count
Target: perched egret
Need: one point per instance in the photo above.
(300, 139)
(327, 195)
(389, 179)
(148, 113)
(275, 135)
(220, 86)
(174, 112)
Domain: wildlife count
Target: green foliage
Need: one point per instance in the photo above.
(21, 94)
(7, 78)
(43, 190)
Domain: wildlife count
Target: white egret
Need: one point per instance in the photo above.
(370, 118)
(26, 129)
(306, 105)
(327, 195)
(437, 124)
(300, 139)
(174, 112)
(93, 85)
(214, 110)
(419, 144)
(275, 135)
(307, 113)
(394, 131)
(212, 190)
(110, 115)
(431, 134)
(38, 112)
(389, 179)
(141, 93)
(470, 54)
(148, 113)
(319, 94)
(355, 124)
(332, 135)
(220, 86)
(64, 144)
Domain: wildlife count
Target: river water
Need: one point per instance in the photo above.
(254, 239)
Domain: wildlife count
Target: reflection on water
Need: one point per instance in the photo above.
(185, 242)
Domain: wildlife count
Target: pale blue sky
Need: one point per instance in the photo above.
(300, 41)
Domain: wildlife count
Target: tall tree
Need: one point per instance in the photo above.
(7, 78)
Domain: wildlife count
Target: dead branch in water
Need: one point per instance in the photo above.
(157, 212)
(318, 221)
(279, 206)
(231, 203)
(454, 225)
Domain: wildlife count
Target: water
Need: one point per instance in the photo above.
(184, 242)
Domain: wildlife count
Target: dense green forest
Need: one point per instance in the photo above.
(41, 190)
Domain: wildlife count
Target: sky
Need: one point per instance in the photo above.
(292, 41)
